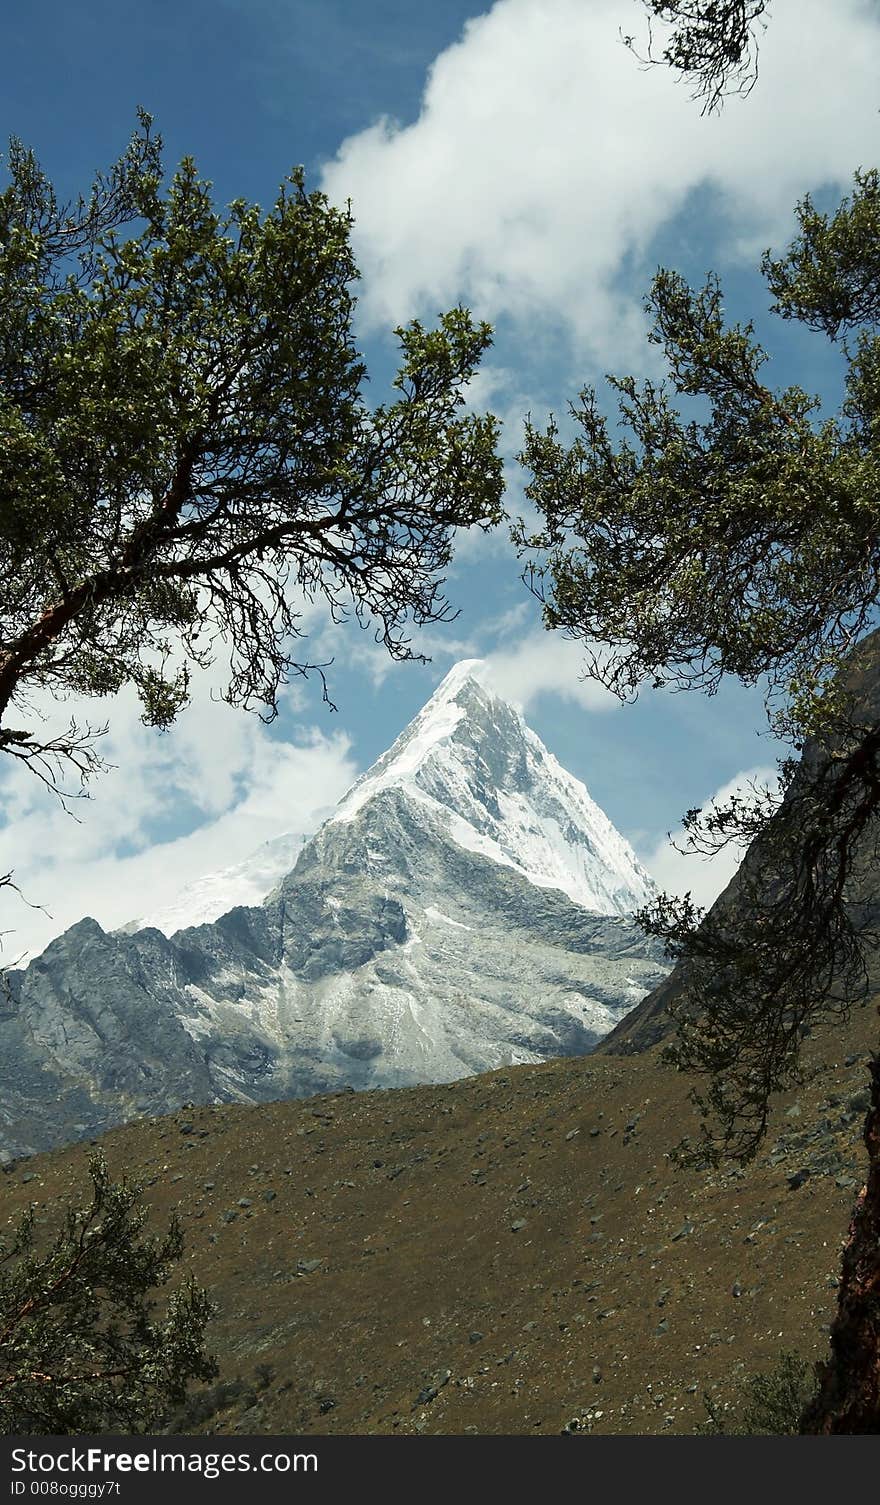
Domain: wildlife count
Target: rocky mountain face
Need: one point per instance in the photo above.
(650, 1021)
(465, 908)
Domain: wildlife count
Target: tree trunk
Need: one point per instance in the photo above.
(849, 1390)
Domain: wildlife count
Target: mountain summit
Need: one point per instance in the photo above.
(469, 759)
(465, 907)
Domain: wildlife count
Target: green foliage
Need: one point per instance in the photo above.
(210, 1401)
(82, 1348)
(725, 528)
(772, 1403)
(830, 278)
(186, 455)
(743, 544)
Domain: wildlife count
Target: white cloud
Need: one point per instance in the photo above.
(544, 160)
(175, 806)
(705, 877)
(544, 663)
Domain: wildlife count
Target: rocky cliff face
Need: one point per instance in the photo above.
(649, 1022)
(466, 907)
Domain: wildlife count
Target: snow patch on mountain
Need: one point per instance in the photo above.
(437, 915)
(214, 894)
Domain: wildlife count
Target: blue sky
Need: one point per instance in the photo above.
(517, 159)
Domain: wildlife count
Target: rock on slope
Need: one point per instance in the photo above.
(465, 908)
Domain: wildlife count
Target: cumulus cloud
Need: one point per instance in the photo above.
(705, 877)
(543, 663)
(544, 161)
(173, 807)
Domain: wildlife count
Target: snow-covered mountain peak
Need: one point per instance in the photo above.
(424, 932)
(423, 739)
(469, 760)
(467, 669)
(471, 770)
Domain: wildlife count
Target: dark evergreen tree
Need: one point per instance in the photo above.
(82, 1346)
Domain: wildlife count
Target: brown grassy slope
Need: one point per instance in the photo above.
(517, 1243)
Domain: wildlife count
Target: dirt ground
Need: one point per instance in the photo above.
(500, 1255)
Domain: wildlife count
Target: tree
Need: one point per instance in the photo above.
(713, 44)
(744, 539)
(186, 454)
(772, 1403)
(81, 1347)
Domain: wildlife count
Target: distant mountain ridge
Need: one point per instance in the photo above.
(465, 907)
(214, 894)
